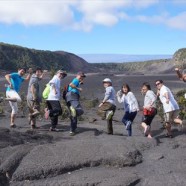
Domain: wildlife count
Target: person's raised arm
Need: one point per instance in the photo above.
(29, 74)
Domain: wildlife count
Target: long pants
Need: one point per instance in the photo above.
(32, 105)
(128, 118)
(55, 110)
(72, 99)
(79, 111)
(102, 112)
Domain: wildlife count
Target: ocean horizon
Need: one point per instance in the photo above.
(121, 58)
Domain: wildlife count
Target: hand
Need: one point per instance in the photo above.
(30, 71)
(119, 93)
(176, 69)
(45, 71)
(80, 89)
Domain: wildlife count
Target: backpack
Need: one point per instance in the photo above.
(65, 90)
(46, 91)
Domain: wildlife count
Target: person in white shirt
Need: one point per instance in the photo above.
(149, 108)
(130, 105)
(53, 100)
(170, 107)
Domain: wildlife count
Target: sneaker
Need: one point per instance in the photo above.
(12, 126)
(1, 99)
(33, 127)
(109, 114)
(72, 111)
(128, 125)
(168, 135)
(146, 131)
(47, 112)
(54, 129)
(72, 133)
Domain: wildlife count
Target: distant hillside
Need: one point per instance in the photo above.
(12, 57)
(146, 67)
(179, 58)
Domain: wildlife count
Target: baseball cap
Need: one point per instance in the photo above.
(107, 80)
(81, 74)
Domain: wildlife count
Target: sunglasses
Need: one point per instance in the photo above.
(158, 84)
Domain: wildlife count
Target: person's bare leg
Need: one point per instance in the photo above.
(168, 127)
(144, 125)
(12, 119)
(11, 99)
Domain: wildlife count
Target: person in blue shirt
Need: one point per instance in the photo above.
(12, 93)
(72, 99)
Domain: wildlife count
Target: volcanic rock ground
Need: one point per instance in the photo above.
(90, 158)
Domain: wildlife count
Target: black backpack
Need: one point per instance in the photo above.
(65, 90)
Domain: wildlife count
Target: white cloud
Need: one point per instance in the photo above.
(177, 21)
(84, 14)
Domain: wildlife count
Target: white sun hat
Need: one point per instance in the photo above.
(107, 80)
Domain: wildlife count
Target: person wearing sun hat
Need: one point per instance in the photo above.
(108, 105)
(73, 103)
(53, 101)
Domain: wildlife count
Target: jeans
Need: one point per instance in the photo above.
(55, 110)
(127, 120)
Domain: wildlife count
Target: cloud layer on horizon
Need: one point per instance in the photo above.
(85, 14)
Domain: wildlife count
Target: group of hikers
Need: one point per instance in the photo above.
(106, 108)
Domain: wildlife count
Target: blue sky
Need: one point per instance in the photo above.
(95, 26)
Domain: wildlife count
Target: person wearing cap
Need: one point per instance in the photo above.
(53, 103)
(15, 81)
(170, 107)
(73, 103)
(33, 96)
(108, 106)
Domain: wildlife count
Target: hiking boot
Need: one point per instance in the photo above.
(12, 126)
(72, 111)
(33, 127)
(109, 114)
(54, 129)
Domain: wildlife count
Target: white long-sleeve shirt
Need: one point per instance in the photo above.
(129, 101)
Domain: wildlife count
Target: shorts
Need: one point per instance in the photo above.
(13, 105)
(13, 94)
(170, 116)
(147, 119)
